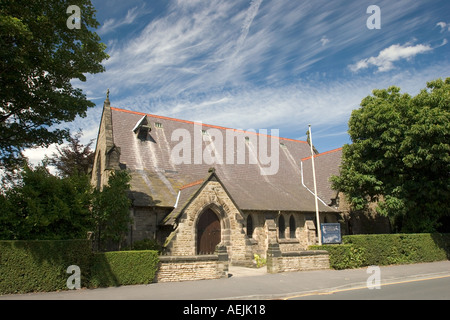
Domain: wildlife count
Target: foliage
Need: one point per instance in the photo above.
(145, 244)
(73, 159)
(386, 249)
(110, 209)
(39, 58)
(30, 266)
(123, 268)
(343, 256)
(259, 261)
(43, 206)
(400, 156)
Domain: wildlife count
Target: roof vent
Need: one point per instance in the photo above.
(141, 129)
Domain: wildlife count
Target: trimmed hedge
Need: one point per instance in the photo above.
(41, 265)
(386, 249)
(124, 268)
(343, 256)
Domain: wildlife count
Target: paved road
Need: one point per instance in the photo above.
(254, 284)
(431, 288)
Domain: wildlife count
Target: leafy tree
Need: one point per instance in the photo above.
(43, 206)
(39, 56)
(73, 159)
(111, 209)
(400, 156)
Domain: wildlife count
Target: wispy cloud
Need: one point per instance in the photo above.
(112, 24)
(324, 40)
(385, 59)
(444, 26)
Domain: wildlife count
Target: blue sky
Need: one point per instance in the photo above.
(263, 64)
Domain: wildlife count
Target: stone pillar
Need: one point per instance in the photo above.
(221, 251)
(273, 258)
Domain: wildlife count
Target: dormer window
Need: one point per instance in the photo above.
(142, 128)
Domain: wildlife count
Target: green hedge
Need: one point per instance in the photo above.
(386, 249)
(41, 265)
(123, 268)
(343, 256)
(30, 266)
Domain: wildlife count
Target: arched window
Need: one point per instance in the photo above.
(281, 227)
(250, 226)
(292, 227)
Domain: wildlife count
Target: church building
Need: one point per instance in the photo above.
(195, 186)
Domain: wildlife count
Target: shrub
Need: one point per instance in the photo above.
(146, 244)
(385, 249)
(343, 256)
(27, 266)
(123, 268)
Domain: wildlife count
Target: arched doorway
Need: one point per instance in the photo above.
(208, 232)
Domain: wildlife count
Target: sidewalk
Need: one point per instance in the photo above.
(245, 283)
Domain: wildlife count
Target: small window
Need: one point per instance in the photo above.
(282, 145)
(158, 125)
(247, 139)
(250, 226)
(205, 133)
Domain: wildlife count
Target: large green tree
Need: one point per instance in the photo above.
(400, 156)
(43, 206)
(40, 53)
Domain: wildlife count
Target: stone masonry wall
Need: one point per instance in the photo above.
(295, 261)
(214, 197)
(188, 268)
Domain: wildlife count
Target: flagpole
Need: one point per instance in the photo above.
(319, 231)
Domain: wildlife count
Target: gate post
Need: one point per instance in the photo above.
(222, 263)
(273, 257)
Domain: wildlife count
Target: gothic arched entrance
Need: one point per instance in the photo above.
(208, 232)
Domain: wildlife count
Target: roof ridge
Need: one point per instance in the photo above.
(203, 124)
(321, 154)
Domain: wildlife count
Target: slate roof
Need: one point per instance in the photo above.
(326, 164)
(156, 179)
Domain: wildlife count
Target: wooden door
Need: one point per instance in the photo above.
(208, 232)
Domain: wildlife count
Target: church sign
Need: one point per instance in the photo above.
(331, 233)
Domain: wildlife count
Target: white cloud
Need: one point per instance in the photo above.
(444, 26)
(386, 57)
(324, 40)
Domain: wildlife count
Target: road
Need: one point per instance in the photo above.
(431, 288)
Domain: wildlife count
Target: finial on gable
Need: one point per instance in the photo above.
(107, 98)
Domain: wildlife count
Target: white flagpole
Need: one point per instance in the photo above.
(319, 232)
